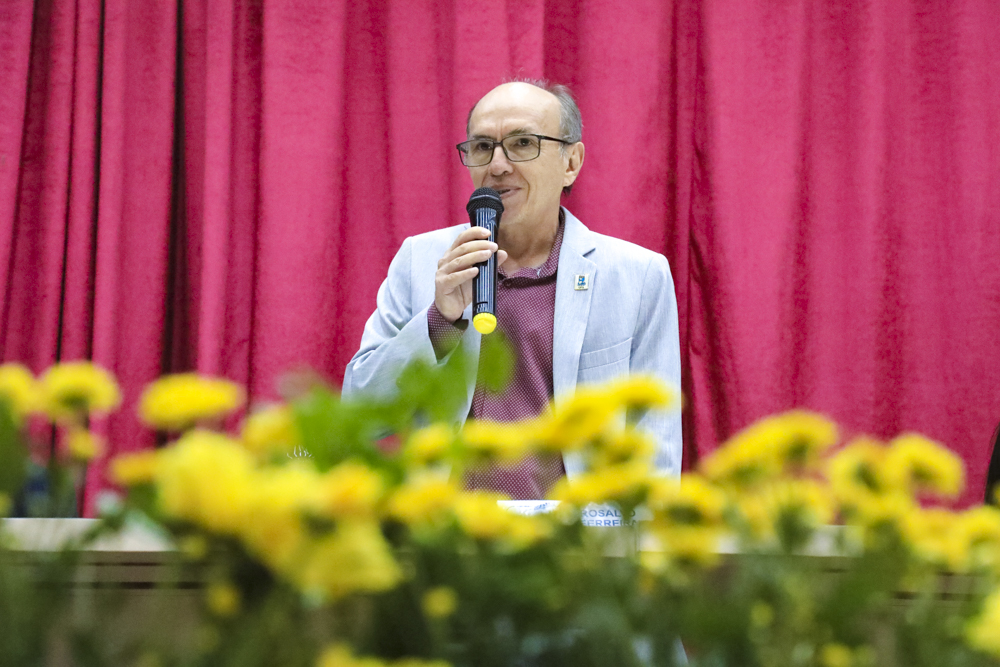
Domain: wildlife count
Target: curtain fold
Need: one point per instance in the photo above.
(219, 185)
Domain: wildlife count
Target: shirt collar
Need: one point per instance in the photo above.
(547, 269)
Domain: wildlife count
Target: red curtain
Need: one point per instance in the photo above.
(220, 185)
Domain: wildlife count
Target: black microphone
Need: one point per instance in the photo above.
(485, 209)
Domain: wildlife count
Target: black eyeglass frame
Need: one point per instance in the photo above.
(493, 149)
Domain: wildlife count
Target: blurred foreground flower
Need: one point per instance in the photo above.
(71, 391)
(18, 389)
(176, 402)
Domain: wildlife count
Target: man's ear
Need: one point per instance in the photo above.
(574, 162)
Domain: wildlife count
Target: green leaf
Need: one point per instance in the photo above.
(13, 454)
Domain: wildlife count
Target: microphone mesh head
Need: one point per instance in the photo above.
(485, 198)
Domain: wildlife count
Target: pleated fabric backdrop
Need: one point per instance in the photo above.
(220, 185)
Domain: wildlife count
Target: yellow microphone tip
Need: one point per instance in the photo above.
(485, 323)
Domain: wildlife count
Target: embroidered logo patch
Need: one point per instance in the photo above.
(582, 281)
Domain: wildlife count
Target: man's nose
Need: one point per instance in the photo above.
(499, 164)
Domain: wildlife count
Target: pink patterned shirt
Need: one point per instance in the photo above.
(525, 310)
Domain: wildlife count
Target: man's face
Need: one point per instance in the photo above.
(530, 190)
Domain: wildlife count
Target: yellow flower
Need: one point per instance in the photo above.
(835, 655)
(429, 444)
(627, 482)
(18, 389)
(208, 479)
(921, 465)
(440, 602)
(983, 631)
(135, 468)
(858, 474)
(641, 392)
(795, 439)
(176, 402)
(424, 499)
(273, 526)
(505, 441)
(573, 423)
(688, 546)
(932, 535)
(83, 445)
(742, 462)
(349, 490)
(979, 531)
(623, 446)
(789, 510)
(352, 558)
(222, 599)
(75, 389)
(690, 502)
(479, 516)
(271, 431)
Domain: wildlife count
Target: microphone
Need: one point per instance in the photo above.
(485, 209)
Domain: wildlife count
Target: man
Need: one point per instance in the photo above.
(578, 307)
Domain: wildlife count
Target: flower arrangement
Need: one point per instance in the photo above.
(359, 554)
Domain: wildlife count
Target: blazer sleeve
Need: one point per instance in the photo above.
(393, 336)
(656, 351)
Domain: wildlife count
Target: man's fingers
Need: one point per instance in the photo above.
(470, 234)
(501, 257)
(467, 248)
(450, 281)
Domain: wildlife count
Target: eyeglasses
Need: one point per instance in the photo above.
(517, 148)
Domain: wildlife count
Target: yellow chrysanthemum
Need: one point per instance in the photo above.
(857, 474)
(83, 445)
(74, 389)
(349, 490)
(692, 501)
(978, 530)
(743, 461)
(933, 536)
(222, 599)
(788, 510)
(572, 424)
(623, 446)
(479, 516)
(641, 392)
(504, 441)
(424, 499)
(176, 402)
(628, 482)
(353, 558)
(271, 431)
(920, 465)
(689, 546)
(275, 530)
(429, 444)
(983, 632)
(18, 389)
(795, 439)
(440, 602)
(207, 478)
(135, 468)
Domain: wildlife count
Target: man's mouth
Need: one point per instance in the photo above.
(505, 191)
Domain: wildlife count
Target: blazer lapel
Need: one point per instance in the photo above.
(572, 305)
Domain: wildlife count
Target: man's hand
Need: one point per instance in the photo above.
(453, 280)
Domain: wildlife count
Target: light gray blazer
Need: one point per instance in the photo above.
(624, 323)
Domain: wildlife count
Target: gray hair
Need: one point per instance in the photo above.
(570, 120)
